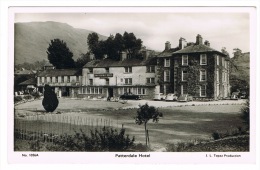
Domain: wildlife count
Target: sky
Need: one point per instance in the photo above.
(221, 29)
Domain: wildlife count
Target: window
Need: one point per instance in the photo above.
(128, 80)
(56, 79)
(166, 62)
(203, 91)
(128, 69)
(184, 75)
(217, 75)
(203, 59)
(88, 90)
(203, 75)
(150, 69)
(90, 70)
(141, 91)
(96, 90)
(107, 70)
(185, 60)
(91, 82)
(77, 78)
(150, 80)
(68, 79)
(166, 75)
(224, 76)
(223, 61)
(184, 89)
(62, 79)
(217, 60)
(107, 81)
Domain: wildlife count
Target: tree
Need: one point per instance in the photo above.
(59, 54)
(50, 101)
(144, 114)
(245, 110)
(95, 46)
(114, 45)
(84, 59)
(132, 45)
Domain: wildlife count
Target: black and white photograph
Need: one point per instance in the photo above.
(135, 84)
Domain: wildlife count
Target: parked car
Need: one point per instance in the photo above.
(159, 96)
(171, 97)
(130, 96)
(243, 95)
(185, 98)
(234, 96)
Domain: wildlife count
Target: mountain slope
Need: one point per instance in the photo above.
(32, 40)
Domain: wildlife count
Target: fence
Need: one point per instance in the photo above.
(46, 127)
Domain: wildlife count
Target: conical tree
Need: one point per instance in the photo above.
(50, 101)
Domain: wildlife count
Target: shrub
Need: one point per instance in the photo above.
(28, 97)
(50, 101)
(17, 99)
(245, 110)
(107, 139)
(36, 95)
(216, 135)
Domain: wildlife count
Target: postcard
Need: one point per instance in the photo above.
(132, 85)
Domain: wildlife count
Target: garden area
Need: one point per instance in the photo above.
(102, 121)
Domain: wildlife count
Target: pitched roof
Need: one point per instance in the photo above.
(168, 53)
(60, 72)
(24, 72)
(124, 63)
(197, 48)
(32, 81)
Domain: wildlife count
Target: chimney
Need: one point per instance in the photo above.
(123, 56)
(146, 54)
(91, 56)
(167, 45)
(182, 43)
(198, 40)
(207, 43)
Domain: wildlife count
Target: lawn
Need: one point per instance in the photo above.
(179, 124)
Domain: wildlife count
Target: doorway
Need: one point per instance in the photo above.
(110, 92)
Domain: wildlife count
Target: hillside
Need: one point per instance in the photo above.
(32, 40)
(242, 64)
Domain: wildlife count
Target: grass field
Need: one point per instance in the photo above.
(179, 124)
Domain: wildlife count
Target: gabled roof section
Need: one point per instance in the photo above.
(60, 72)
(32, 81)
(125, 63)
(168, 53)
(197, 48)
(24, 72)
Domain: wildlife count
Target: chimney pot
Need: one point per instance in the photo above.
(199, 39)
(167, 45)
(123, 56)
(207, 43)
(182, 43)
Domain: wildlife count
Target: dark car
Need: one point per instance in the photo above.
(129, 96)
